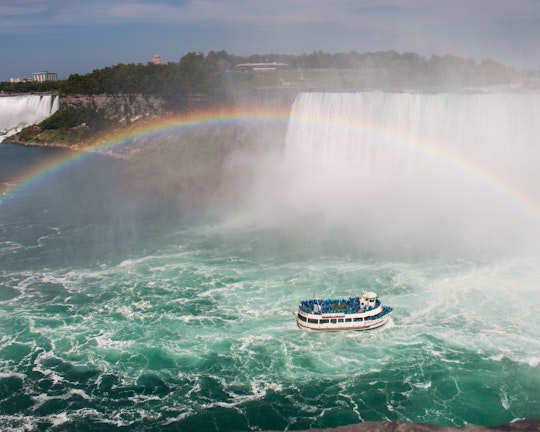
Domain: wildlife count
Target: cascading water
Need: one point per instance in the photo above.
(417, 165)
(17, 112)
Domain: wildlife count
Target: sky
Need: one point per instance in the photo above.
(78, 36)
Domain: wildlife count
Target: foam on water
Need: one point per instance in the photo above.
(210, 335)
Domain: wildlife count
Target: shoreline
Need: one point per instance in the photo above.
(88, 144)
(42, 145)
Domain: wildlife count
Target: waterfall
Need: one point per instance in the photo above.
(411, 163)
(17, 112)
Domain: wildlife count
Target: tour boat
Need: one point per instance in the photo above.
(355, 313)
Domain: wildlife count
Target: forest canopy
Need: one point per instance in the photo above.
(214, 73)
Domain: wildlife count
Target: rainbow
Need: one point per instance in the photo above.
(496, 184)
(155, 128)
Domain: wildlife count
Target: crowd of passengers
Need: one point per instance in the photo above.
(350, 306)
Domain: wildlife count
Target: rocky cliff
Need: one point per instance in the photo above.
(128, 108)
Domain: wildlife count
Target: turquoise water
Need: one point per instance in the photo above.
(120, 310)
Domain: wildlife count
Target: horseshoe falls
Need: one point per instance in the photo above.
(418, 168)
(121, 309)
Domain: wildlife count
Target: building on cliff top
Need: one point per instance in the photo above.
(44, 76)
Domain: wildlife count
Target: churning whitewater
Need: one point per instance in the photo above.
(121, 309)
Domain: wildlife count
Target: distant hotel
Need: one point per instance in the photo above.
(44, 76)
(156, 59)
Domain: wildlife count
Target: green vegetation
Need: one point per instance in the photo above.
(71, 117)
(194, 73)
(30, 87)
(213, 74)
(65, 137)
(68, 127)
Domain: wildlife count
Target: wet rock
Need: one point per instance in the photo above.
(526, 425)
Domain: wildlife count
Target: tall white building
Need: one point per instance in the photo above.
(44, 76)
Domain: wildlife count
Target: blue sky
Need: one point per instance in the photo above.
(78, 36)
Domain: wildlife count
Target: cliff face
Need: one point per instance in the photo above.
(127, 108)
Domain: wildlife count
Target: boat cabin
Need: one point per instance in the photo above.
(368, 299)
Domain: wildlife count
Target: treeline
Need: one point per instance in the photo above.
(393, 69)
(30, 87)
(213, 74)
(194, 73)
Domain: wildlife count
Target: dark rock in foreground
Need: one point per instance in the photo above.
(527, 425)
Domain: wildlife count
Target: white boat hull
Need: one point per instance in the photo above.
(318, 323)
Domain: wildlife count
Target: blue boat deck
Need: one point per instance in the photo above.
(347, 306)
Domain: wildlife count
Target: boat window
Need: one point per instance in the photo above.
(301, 317)
(323, 321)
(333, 321)
(313, 321)
(348, 319)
